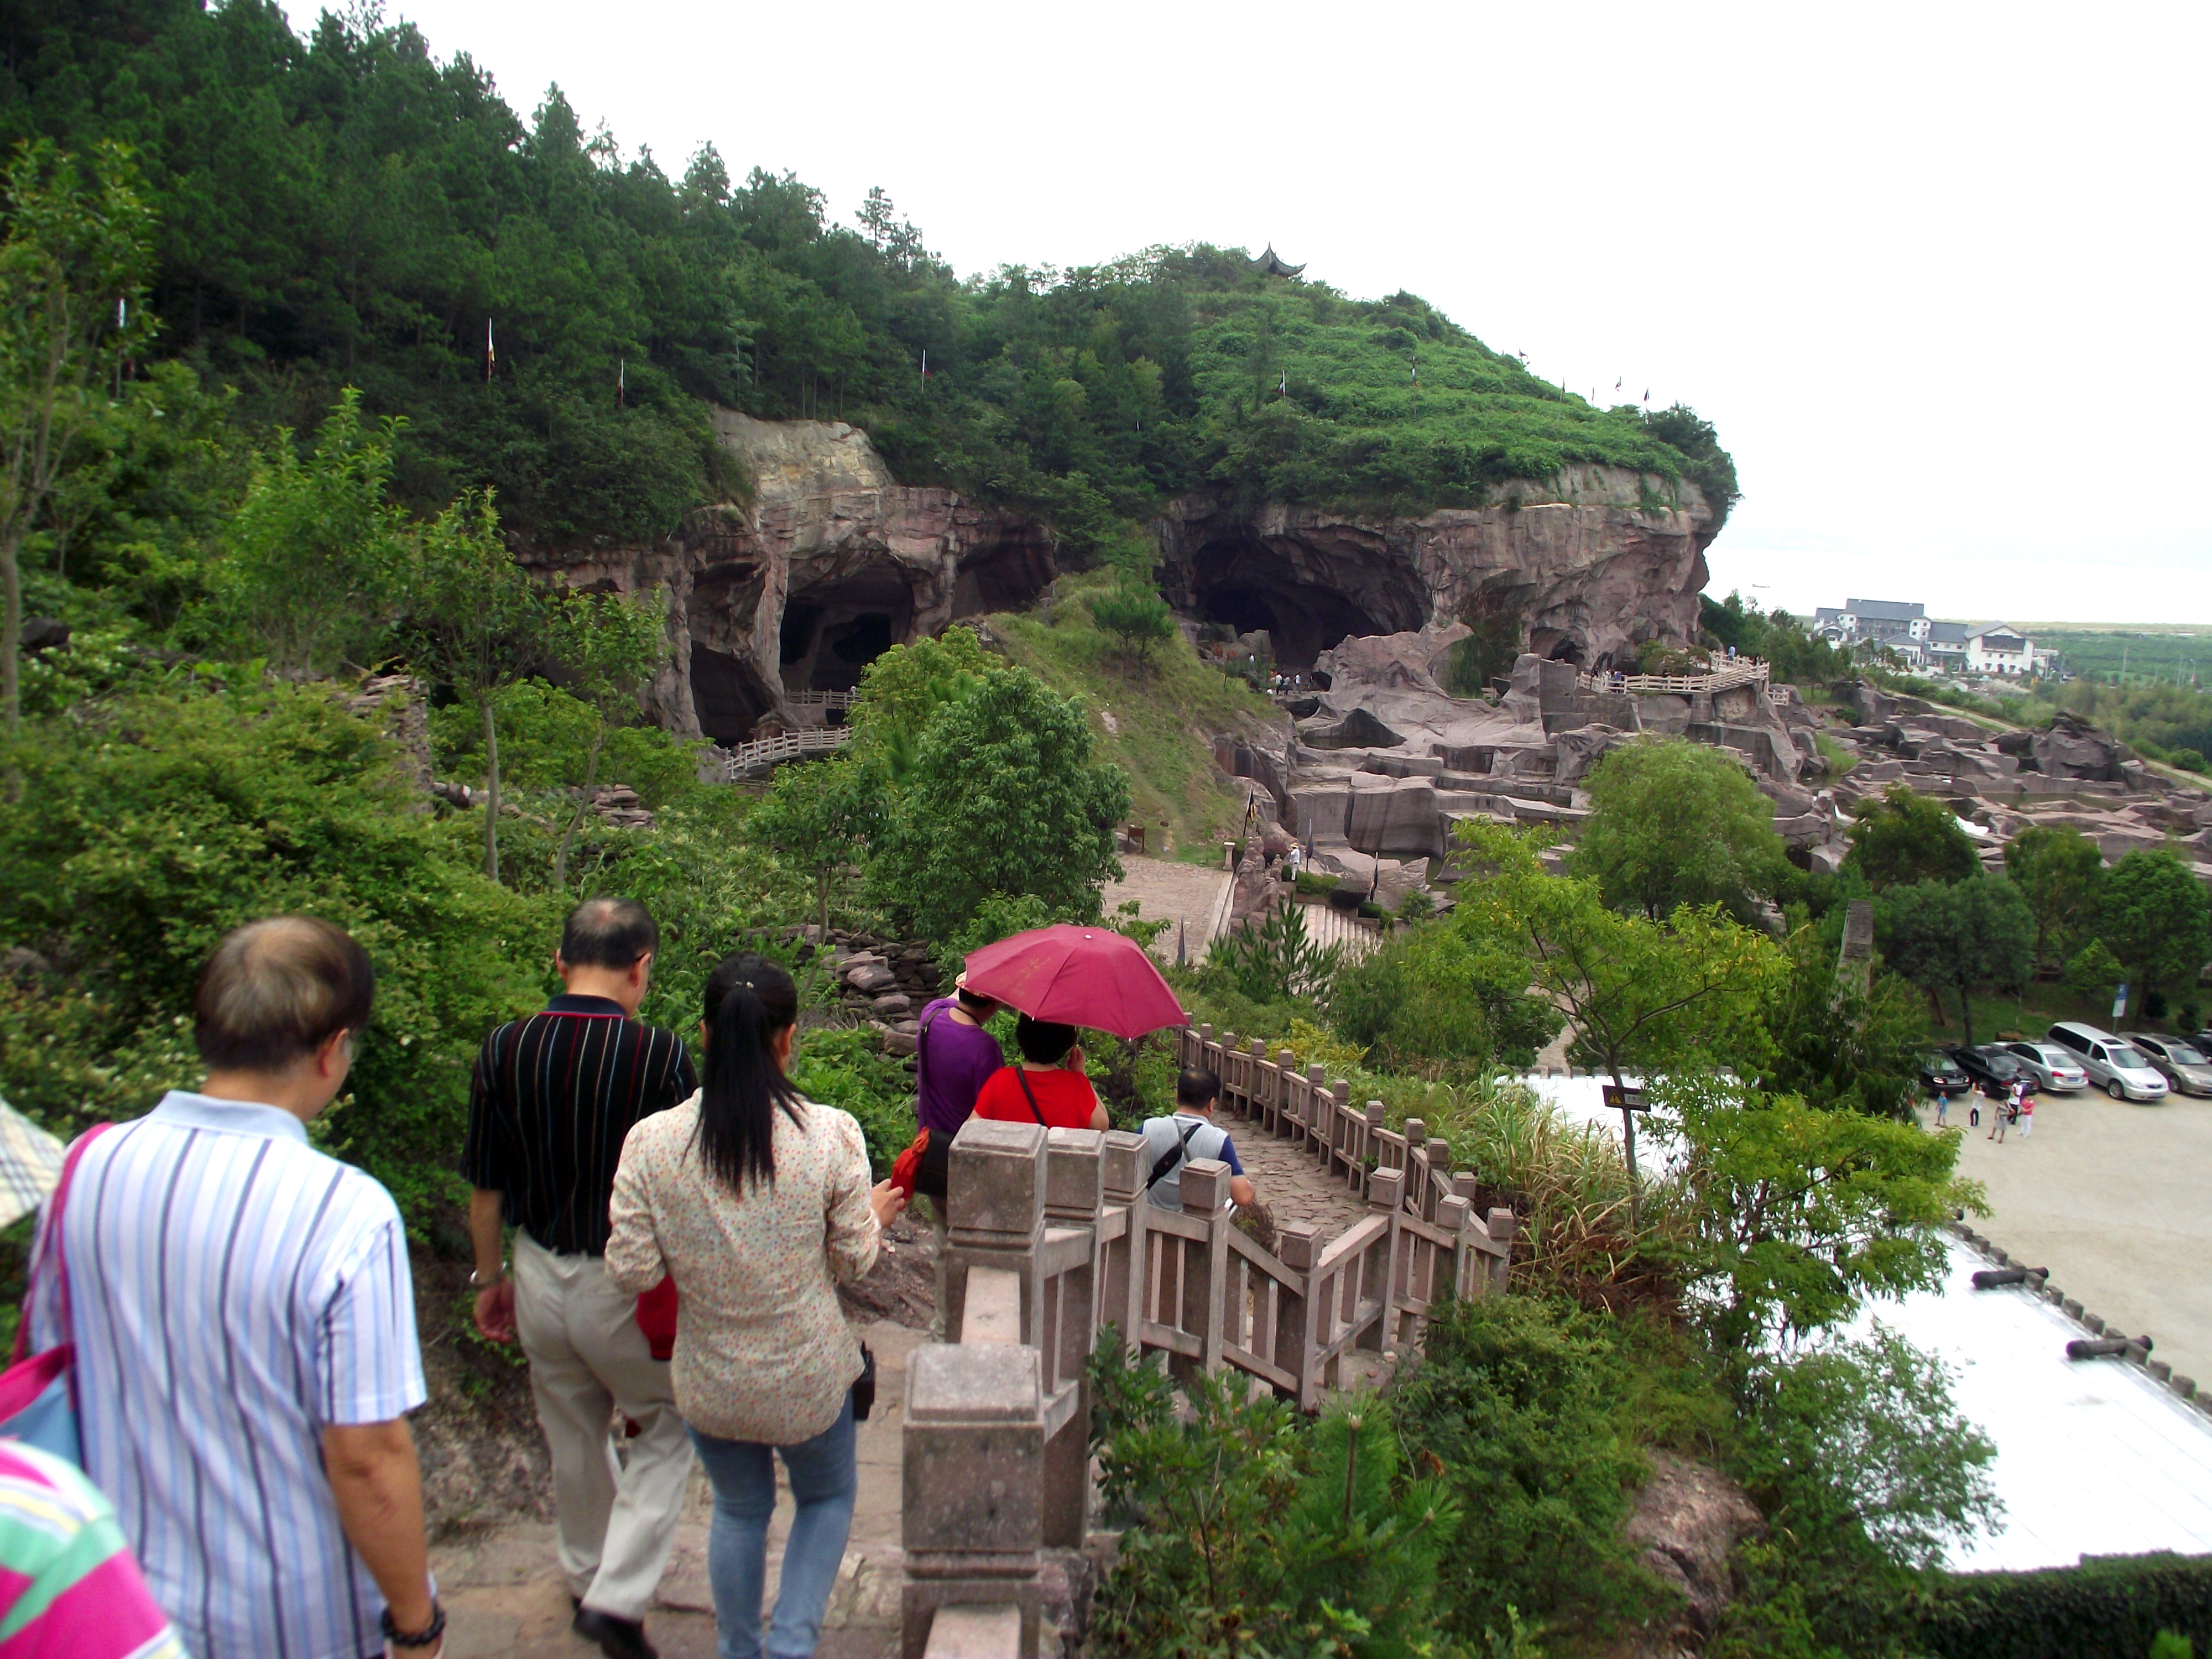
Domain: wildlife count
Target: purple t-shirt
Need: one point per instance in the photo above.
(955, 1061)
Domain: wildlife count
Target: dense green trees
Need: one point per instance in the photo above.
(2060, 872)
(1957, 935)
(1906, 838)
(2154, 918)
(1675, 823)
(346, 209)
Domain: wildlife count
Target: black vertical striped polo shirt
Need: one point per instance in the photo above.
(551, 1099)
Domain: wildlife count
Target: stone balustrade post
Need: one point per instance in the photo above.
(1456, 1217)
(1379, 1276)
(1121, 1267)
(1437, 1187)
(1286, 1076)
(1333, 1120)
(1298, 1313)
(1502, 1226)
(994, 1191)
(1265, 1092)
(1205, 1269)
(1066, 1325)
(1316, 1090)
(973, 1472)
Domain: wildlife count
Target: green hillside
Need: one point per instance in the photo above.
(351, 209)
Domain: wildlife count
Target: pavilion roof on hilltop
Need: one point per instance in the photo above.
(1272, 263)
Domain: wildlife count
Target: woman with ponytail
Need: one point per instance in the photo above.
(757, 1201)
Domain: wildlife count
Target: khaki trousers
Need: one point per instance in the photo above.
(589, 1361)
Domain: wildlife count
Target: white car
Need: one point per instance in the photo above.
(2125, 1071)
(2051, 1067)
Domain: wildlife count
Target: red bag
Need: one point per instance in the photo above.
(905, 1168)
(656, 1317)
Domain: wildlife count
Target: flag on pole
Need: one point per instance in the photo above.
(925, 365)
(122, 313)
(622, 380)
(1417, 368)
(1647, 397)
(1182, 942)
(1283, 390)
(491, 358)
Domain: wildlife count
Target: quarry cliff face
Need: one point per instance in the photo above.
(1588, 565)
(833, 561)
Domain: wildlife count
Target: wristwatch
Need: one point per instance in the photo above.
(478, 1282)
(427, 1638)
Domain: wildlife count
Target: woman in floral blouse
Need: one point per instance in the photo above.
(757, 1201)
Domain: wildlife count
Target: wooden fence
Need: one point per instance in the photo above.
(1744, 671)
(1050, 1240)
(746, 760)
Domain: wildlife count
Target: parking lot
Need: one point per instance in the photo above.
(2116, 1200)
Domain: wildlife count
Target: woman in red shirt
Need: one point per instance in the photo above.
(1048, 1086)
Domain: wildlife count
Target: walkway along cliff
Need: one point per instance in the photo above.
(1051, 1242)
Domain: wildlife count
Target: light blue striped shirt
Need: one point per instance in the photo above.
(234, 1293)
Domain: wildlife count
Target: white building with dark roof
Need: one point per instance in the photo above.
(1999, 648)
(1872, 621)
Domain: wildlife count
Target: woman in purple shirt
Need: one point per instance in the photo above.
(954, 1056)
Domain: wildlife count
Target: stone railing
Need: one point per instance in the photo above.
(1050, 1240)
(764, 754)
(1744, 671)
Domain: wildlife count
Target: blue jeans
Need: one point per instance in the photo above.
(824, 1479)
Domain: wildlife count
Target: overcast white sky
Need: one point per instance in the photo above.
(1937, 272)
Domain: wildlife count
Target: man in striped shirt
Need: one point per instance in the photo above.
(245, 1328)
(552, 1097)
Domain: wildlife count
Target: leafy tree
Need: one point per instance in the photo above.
(72, 308)
(1515, 1400)
(610, 645)
(1956, 935)
(1435, 1000)
(2155, 918)
(1906, 838)
(1834, 1046)
(1675, 823)
(470, 618)
(1004, 802)
(313, 544)
(1254, 1533)
(1137, 617)
(2060, 871)
(1642, 998)
(902, 689)
(820, 815)
(2093, 974)
(1797, 1215)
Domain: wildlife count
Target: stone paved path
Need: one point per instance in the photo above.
(1166, 890)
(503, 1595)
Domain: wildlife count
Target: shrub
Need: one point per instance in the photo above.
(2110, 1608)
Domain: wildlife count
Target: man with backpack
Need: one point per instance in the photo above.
(1190, 1133)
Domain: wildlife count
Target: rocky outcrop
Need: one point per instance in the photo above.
(1688, 1519)
(1589, 564)
(831, 562)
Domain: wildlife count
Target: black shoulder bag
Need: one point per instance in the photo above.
(1022, 1077)
(1172, 1157)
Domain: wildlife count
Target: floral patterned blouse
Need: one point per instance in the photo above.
(763, 1349)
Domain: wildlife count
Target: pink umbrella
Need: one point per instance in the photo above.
(1089, 977)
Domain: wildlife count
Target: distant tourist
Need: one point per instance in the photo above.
(245, 1328)
(1189, 1132)
(2026, 1113)
(1049, 1087)
(551, 1100)
(1942, 1108)
(954, 1058)
(757, 1201)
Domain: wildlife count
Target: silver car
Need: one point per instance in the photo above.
(2052, 1067)
(2178, 1061)
(2125, 1072)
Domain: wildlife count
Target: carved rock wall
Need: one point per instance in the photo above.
(1592, 563)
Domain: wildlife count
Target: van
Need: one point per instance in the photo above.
(2123, 1071)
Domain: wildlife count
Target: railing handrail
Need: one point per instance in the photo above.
(745, 757)
(1742, 672)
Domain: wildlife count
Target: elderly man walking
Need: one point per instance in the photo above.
(244, 1324)
(552, 1097)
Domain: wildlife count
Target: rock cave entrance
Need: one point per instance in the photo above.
(1308, 599)
(727, 695)
(833, 630)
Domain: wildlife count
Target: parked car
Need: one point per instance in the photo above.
(1940, 1074)
(1991, 1067)
(2123, 1071)
(2053, 1068)
(2179, 1061)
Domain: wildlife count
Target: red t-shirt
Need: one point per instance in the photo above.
(1065, 1098)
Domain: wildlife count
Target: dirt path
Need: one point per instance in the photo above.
(1186, 896)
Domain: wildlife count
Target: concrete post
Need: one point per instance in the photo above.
(1265, 1090)
(1502, 1225)
(1068, 1320)
(994, 1192)
(973, 1475)
(1437, 1187)
(1456, 1216)
(1205, 1271)
(1333, 1120)
(1385, 1192)
(1121, 1264)
(1317, 1087)
(1298, 1312)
